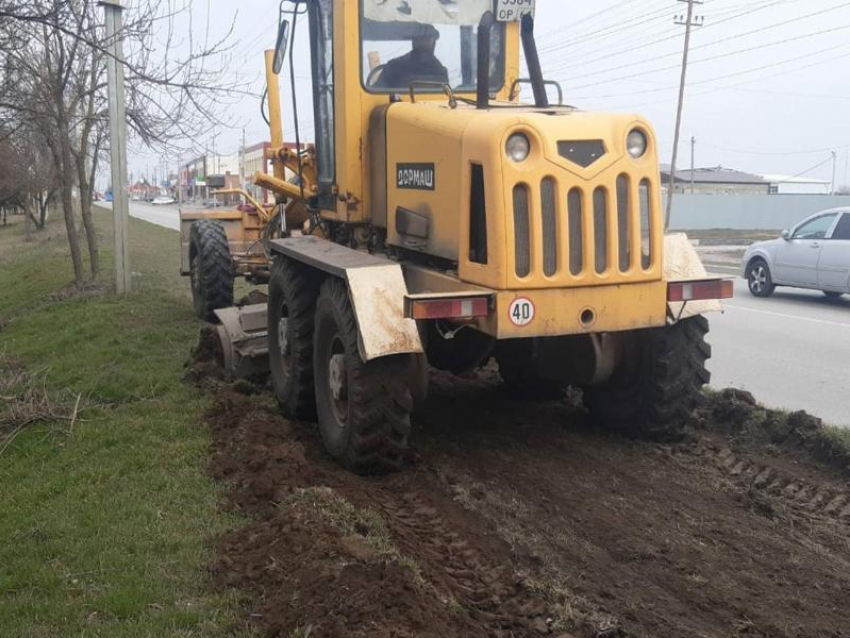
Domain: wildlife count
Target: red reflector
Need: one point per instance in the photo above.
(449, 308)
(700, 290)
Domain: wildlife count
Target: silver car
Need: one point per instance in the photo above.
(815, 254)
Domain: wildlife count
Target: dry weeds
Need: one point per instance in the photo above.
(26, 399)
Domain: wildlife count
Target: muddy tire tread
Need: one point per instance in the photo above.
(380, 401)
(669, 385)
(216, 265)
(300, 284)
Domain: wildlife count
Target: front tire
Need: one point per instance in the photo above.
(293, 289)
(212, 270)
(759, 279)
(363, 408)
(655, 399)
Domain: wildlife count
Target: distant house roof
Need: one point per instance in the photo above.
(787, 179)
(717, 175)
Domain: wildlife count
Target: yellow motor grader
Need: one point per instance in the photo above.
(450, 223)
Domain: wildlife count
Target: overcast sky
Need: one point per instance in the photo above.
(768, 89)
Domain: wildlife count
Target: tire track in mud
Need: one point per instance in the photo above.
(827, 500)
(517, 520)
(432, 571)
(490, 590)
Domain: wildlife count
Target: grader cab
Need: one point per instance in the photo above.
(450, 223)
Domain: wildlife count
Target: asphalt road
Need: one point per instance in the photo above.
(166, 216)
(792, 350)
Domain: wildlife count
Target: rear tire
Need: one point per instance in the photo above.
(655, 400)
(212, 269)
(293, 289)
(363, 408)
(759, 279)
(517, 365)
(833, 295)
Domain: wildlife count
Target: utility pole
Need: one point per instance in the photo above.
(118, 144)
(242, 162)
(689, 22)
(834, 164)
(693, 154)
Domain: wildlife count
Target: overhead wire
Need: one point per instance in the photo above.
(727, 39)
(719, 56)
(677, 35)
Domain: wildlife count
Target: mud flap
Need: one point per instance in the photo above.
(682, 262)
(376, 288)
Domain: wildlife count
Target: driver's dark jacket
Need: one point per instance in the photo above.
(414, 66)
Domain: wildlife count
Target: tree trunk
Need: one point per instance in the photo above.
(66, 187)
(86, 187)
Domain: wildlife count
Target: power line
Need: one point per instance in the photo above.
(732, 37)
(671, 37)
(633, 105)
(728, 75)
(607, 31)
(809, 170)
(689, 22)
(780, 153)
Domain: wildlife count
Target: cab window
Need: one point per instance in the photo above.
(436, 41)
(818, 228)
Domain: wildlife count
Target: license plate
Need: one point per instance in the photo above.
(513, 10)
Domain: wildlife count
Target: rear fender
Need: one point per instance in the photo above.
(376, 289)
(682, 262)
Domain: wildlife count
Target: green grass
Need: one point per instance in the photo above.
(107, 529)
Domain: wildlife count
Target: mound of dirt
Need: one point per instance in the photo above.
(520, 519)
(205, 366)
(737, 415)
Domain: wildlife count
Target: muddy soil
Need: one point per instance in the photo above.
(520, 519)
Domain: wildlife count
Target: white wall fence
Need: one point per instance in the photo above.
(752, 212)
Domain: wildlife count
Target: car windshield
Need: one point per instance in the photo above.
(405, 41)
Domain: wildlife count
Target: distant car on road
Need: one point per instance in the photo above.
(815, 254)
(163, 201)
(212, 203)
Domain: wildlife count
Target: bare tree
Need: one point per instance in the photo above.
(27, 180)
(54, 80)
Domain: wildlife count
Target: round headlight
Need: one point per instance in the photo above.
(636, 143)
(518, 147)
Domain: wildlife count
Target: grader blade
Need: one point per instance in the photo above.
(243, 333)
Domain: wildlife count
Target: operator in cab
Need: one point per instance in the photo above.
(419, 65)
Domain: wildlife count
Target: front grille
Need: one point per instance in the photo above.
(606, 222)
(522, 231)
(576, 224)
(550, 227)
(600, 229)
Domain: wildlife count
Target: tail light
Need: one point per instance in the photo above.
(700, 290)
(447, 308)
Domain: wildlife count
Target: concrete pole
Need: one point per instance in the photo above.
(834, 165)
(118, 144)
(693, 155)
(689, 24)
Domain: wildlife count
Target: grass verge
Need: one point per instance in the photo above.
(106, 521)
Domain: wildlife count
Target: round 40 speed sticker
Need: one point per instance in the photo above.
(521, 312)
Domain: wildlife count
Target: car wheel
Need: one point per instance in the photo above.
(759, 280)
(833, 295)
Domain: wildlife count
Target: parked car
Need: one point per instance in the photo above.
(815, 254)
(163, 201)
(212, 203)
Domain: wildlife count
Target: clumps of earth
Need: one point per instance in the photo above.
(737, 415)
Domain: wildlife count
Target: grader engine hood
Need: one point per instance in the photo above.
(523, 198)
